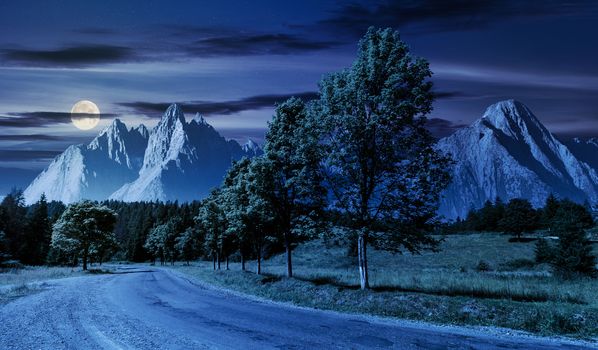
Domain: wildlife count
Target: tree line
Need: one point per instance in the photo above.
(564, 243)
(359, 153)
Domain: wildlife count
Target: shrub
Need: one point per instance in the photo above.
(544, 251)
(483, 266)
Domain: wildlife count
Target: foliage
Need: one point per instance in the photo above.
(36, 237)
(162, 240)
(211, 221)
(249, 214)
(381, 166)
(544, 252)
(573, 254)
(84, 229)
(188, 245)
(519, 217)
(288, 173)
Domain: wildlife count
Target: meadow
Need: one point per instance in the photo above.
(476, 279)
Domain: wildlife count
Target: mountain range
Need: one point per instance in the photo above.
(176, 160)
(506, 154)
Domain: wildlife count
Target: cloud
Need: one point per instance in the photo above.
(441, 127)
(261, 44)
(74, 56)
(37, 119)
(219, 107)
(26, 155)
(30, 137)
(435, 15)
(449, 94)
(95, 31)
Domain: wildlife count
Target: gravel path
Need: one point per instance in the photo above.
(145, 308)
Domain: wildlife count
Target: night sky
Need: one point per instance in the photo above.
(233, 60)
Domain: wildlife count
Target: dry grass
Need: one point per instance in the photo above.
(442, 287)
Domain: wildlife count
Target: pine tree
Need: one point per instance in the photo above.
(14, 212)
(573, 254)
(381, 165)
(35, 243)
(549, 211)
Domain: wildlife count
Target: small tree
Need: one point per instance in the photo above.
(381, 165)
(519, 217)
(80, 227)
(188, 244)
(544, 252)
(549, 211)
(573, 254)
(162, 239)
(211, 220)
(249, 216)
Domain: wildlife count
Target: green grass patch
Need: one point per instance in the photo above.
(445, 287)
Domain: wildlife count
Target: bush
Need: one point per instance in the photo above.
(544, 251)
(483, 266)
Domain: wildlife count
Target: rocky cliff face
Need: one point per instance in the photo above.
(508, 153)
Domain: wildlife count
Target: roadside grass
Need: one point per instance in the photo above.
(30, 274)
(16, 283)
(444, 287)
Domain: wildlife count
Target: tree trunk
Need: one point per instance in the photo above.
(84, 261)
(363, 261)
(287, 243)
(227, 262)
(259, 261)
(242, 262)
(218, 259)
(214, 261)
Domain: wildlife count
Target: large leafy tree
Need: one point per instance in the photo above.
(290, 180)
(81, 227)
(381, 168)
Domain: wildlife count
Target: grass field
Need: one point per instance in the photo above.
(15, 283)
(445, 287)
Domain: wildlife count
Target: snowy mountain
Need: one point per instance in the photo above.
(183, 161)
(176, 160)
(251, 148)
(95, 170)
(508, 153)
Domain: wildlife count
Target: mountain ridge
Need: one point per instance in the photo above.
(175, 160)
(508, 153)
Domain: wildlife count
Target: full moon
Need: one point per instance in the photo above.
(85, 115)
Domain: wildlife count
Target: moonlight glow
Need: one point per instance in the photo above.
(85, 115)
